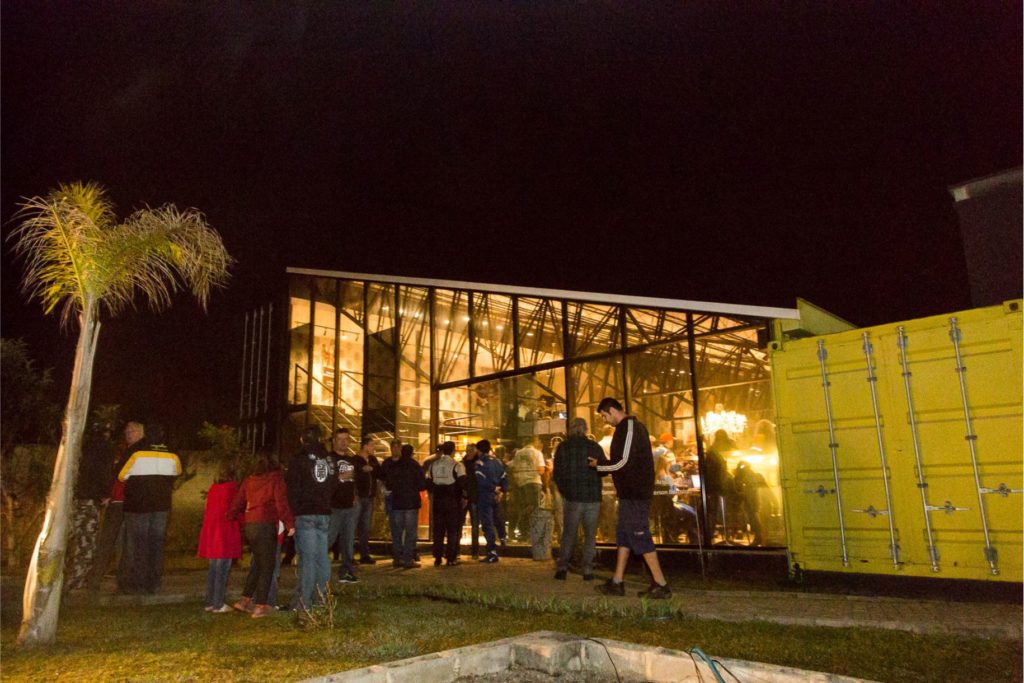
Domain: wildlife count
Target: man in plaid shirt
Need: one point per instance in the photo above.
(580, 486)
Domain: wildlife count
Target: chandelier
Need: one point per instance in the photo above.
(732, 422)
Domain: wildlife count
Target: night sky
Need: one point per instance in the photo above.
(746, 153)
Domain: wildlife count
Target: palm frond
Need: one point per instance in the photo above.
(75, 253)
(157, 252)
(59, 236)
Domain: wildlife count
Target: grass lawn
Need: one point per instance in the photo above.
(183, 643)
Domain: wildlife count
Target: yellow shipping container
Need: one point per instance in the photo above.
(900, 446)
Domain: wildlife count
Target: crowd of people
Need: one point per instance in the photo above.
(324, 498)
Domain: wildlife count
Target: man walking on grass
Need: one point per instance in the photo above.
(631, 465)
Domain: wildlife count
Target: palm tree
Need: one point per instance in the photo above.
(79, 259)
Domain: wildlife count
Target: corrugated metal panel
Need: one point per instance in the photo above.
(839, 514)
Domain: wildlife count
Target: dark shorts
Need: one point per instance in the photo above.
(633, 527)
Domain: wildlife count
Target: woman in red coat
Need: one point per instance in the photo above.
(263, 502)
(220, 540)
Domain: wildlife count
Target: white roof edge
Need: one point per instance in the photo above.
(986, 184)
(592, 297)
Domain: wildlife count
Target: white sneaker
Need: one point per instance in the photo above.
(223, 609)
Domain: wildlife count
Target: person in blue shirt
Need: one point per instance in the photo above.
(491, 487)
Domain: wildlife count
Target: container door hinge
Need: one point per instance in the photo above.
(1002, 490)
(821, 491)
(948, 508)
(873, 512)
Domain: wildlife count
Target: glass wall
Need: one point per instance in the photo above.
(430, 364)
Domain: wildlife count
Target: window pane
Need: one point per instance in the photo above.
(380, 389)
(512, 413)
(324, 361)
(349, 408)
(540, 331)
(492, 328)
(646, 326)
(662, 398)
(451, 337)
(298, 339)
(414, 375)
(741, 464)
(592, 328)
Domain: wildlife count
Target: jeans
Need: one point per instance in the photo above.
(403, 535)
(343, 524)
(111, 537)
(217, 582)
(262, 539)
(575, 513)
(491, 521)
(314, 561)
(144, 550)
(363, 522)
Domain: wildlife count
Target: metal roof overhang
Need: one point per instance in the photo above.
(591, 297)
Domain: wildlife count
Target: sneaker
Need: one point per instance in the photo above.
(609, 587)
(437, 561)
(244, 605)
(454, 563)
(588, 577)
(348, 577)
(262, 611)
(656, 592)
(366, 559)
(491, 558)
(560, 575)
(223, 609)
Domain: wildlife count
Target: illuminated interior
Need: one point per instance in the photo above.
(464, 362)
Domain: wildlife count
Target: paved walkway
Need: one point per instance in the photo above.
(521, 577)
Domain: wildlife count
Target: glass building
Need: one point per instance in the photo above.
(431, 360)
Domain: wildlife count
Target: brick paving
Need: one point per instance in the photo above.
(525, 577)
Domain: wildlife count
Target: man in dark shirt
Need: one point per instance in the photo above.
(343, 504)
(148, 477)
(631, 465)
(91, 487)
(580, 486)
(404, 479)
(367, 474)
(311, 480)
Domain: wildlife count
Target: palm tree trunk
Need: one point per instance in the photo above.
(45, 579)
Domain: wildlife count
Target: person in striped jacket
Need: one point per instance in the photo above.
(148, 477)
(631, 464)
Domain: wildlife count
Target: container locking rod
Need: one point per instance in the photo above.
(972, 439)
(833, 446)
(872, 383)
(922, 486)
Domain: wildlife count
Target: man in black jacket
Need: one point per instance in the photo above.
(631, 465)
(311, 480)
(404, 479)
(148, 477)
(580, 486)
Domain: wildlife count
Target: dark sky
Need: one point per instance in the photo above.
(736, 152)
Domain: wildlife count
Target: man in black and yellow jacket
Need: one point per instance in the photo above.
(148, 477)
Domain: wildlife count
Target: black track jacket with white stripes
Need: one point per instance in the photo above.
(631, 462)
